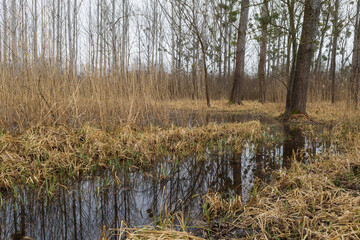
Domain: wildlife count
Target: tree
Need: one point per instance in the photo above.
(199, 25)
(262, 58)
(355, 74)
(336, 33)
(236, 92)
(298, 98)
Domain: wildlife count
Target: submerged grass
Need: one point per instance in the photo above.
(45, 155)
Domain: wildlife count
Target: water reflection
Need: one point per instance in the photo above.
(138, 197)
(294, 144)
(194, 118)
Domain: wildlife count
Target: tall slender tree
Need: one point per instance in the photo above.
(355, 73)
(335, 32)
(262, 58)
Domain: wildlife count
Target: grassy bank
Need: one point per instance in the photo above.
(45, 155)
(320, 200)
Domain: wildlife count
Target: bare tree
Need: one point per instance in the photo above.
(335, 32)
(304, 58)
(355, 73)
(14, 33)
(236, 92)
(262, 58)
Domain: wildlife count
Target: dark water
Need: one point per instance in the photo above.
(139, 196)
(195, 118)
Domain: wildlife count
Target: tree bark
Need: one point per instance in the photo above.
(13, 34)
(262, 60)
(334, 50)
(292, 39)
(304, 57)
(236, 92)
(203, 51)
(355, 74)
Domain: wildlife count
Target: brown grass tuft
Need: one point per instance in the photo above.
(42, 154)
(320, 200)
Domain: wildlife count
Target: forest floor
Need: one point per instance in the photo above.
(315, 200)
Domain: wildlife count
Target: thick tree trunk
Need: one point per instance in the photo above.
(304, 57)
(236, 92)
(262, 60)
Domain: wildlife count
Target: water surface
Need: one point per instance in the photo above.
(138, 196)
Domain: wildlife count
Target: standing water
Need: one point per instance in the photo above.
(138, 196)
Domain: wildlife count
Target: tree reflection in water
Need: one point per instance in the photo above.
(81, 211)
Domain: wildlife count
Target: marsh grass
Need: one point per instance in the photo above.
(38, 97)
(320, 200)
(167, 225)
(44, 156)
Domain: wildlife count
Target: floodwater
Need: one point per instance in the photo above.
(139, 196)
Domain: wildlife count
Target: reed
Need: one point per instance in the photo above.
(45, 95)
(41, 154)
(319, 200)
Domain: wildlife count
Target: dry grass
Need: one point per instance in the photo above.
(47, 96)
(320, 111)
(37, 97)
(316, 201)
(166, 231)
(43, 154)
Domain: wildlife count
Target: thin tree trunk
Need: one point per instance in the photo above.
(292, 39)
(262, 60)
(203, 51)
(319, 57)
(334, 50)
(35, 31)
(71, 60)
(5, 19)
(113, 30)
(13, 34)
(355, 75)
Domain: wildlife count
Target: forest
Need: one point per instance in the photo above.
(179, 119)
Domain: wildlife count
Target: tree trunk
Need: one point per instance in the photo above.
(236, 92)
(5, 26)
(13, 34)
(262, 60)
(304, 57)
(292, 39)
(35, 31)
(71, 59)
(355, 75)
(334, 49)
(203, 51)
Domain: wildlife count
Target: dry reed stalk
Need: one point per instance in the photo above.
(320, 200)
(41, 154)
(46, 96)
